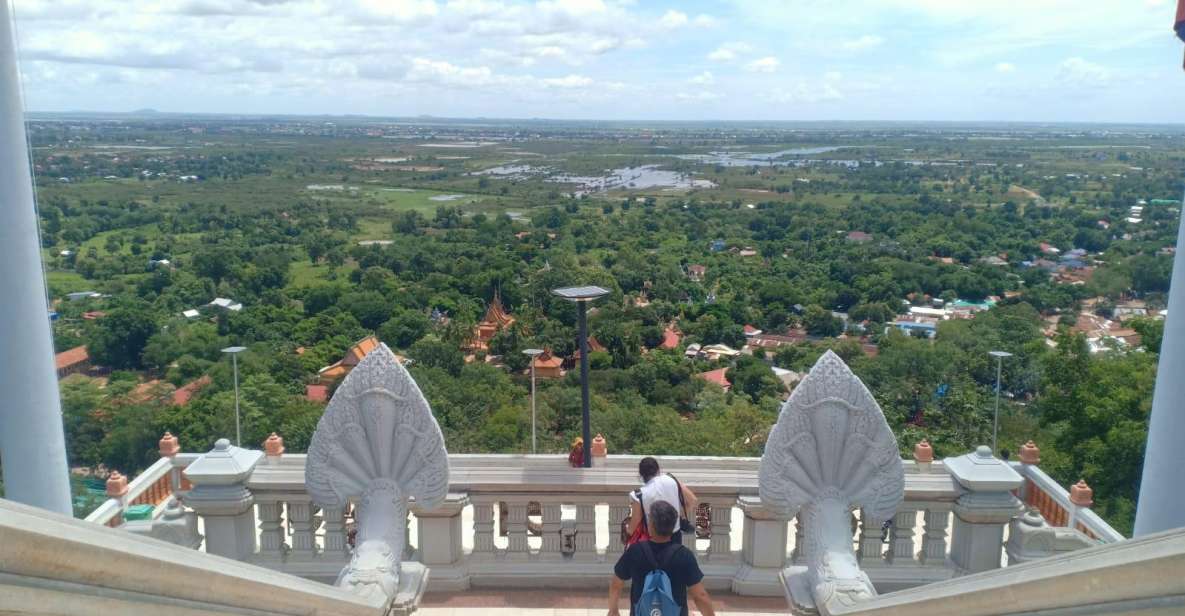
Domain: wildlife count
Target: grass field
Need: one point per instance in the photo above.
(395, 199)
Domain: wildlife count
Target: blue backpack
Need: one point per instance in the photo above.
(656, 598)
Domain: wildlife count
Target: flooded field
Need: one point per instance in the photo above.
(644, 176)
(767, 159)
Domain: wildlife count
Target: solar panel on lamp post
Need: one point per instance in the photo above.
(999, 355)
(582, 296)
(532, 354)
(234, 351)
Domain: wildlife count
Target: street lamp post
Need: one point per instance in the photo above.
(234, 358)
(582, 296)
(999, 355)
(532, 354)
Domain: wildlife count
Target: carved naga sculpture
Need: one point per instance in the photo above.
(377, 444)
(831, 451)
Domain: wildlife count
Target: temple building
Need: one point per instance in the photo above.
(548, 366)
(335, 372)
(594, 346)
(495, 320)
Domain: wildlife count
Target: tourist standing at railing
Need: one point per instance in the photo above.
(662, 552)
(659, 487)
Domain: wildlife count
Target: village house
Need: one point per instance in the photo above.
(717, 377)
(73, 361)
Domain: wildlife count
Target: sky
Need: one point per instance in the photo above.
(871, 60)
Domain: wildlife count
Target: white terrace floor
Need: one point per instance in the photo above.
(571, 603)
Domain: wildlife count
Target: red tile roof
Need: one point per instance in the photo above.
(718, 377)
(670, 339)
(71, 358)
(316, 393)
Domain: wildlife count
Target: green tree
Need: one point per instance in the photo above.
(118, 340)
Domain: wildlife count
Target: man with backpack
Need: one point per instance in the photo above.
(663, 573)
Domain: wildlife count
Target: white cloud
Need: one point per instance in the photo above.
(1079, 72)
(568, 82)
(673, 19)
(729, 51)
(440, 71)
(868, 41)
(768, 64)
(1005, 67)
(698, 96)
(703, 79)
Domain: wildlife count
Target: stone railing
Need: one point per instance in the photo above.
(1137, 576)
(155, 486)
(1057, 505)
(525, 521)
(54, 565)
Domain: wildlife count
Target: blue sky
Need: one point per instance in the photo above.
(954, 60)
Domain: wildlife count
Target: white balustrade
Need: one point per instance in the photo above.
(294, 537)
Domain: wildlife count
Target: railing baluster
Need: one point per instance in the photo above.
(872, 547)
(617, 513)
(586, 531)
(304, 523)
(271, 529)
(335, 532)
(483, 526)
(902, 548)
(934, 539)
(516, 530)
(553, 543)
(720, 542)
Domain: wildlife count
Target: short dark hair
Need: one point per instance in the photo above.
(648, 468)
(664, 518)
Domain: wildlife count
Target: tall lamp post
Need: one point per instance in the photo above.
(234, 358)
(532, 354)
(582, 296)
(999, 355)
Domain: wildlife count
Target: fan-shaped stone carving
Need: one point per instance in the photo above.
(831, 451)
(377, 444)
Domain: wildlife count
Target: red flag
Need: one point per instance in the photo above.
(1179, 25)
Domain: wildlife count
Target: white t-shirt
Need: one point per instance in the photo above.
(660, 487)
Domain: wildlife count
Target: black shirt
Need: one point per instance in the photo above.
(682, 569)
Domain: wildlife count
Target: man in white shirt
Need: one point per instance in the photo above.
(657, 486)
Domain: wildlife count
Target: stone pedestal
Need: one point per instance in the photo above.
(175, 525)
(439, 540)
(221, 497)
(983, 510)
(763, 551)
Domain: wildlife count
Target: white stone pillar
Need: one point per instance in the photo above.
(1162, 501)
(983, 510)
(439, 537)
(221, 497)
(32, 441)
(763, 551)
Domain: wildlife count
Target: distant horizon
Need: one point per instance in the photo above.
(147, 113)
(1103, 61)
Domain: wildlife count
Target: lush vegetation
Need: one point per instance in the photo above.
(324, 240)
